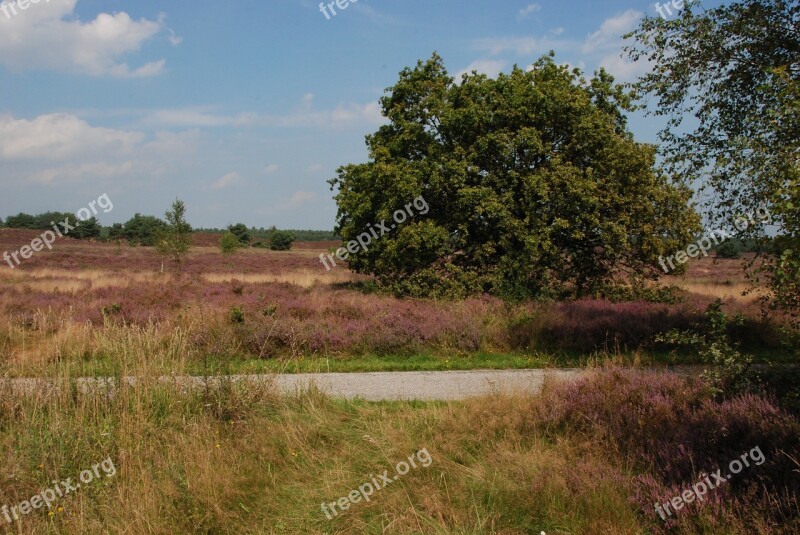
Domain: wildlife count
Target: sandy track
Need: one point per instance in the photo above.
(375, 386)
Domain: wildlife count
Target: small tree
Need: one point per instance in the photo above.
(281, 240)
(174, 241)
(229, 243)
(241, 232)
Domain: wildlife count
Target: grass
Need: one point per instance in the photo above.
(241, 459)
(374, 363)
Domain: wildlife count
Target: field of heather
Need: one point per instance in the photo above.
(100, 308)
(587, 457)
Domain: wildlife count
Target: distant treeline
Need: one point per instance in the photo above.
(87, 229)
(143, 229)
(264, 234)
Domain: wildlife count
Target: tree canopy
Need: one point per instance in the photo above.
(728, 79)
(142, 229)
(535, 186)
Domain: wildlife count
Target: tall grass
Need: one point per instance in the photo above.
(237, 458)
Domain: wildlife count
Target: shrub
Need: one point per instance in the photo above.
(281, 240)
(241, 232)
(236, 315)
(730, 373)
(228, 244)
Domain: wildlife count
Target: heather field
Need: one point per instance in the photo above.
(100, 308)
(588, 457)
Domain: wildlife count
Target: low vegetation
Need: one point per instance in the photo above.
(584, 458)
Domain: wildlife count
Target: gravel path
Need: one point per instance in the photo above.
(369, 386)
(424, 385)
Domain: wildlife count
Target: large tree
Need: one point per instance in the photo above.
(727, 79)
(535, 186)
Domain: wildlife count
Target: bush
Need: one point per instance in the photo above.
(281, 240)
(728, 250)
(229, 243)
(241, 232)
(236, 315)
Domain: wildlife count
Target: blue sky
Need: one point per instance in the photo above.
(243, 108)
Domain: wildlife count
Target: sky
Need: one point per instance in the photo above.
(244, 109)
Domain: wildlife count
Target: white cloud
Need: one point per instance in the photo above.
(314, 168)
(49, 35)
(489, 67)
(59, 136)
(521, 46)
(78, 172)
(525, 11)
(608, 42)
(304, 115)
(611, 31)
(300, 198)
(202, 116)
(342, 115)
(174, 40)
(227, 180)
(622, 69)
(271, 169)
(66, 148)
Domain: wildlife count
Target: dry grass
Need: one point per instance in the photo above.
(720, 290)
(241, 459)
(305, 278)
(50, 280)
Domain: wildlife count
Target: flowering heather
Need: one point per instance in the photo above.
(288, 306)
(671, 429)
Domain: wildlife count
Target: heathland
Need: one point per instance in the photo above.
(589, 457)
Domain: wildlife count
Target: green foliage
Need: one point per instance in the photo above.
(116, 232)
(730, 373)
(229, 243)
(22, 220)
(728, 80)
(536, 188)
(281, 240)
(728, 249)
(175, 239)
(236, 315)
(83, 230)
(142, 230)
(241, 232)
(263, 234)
